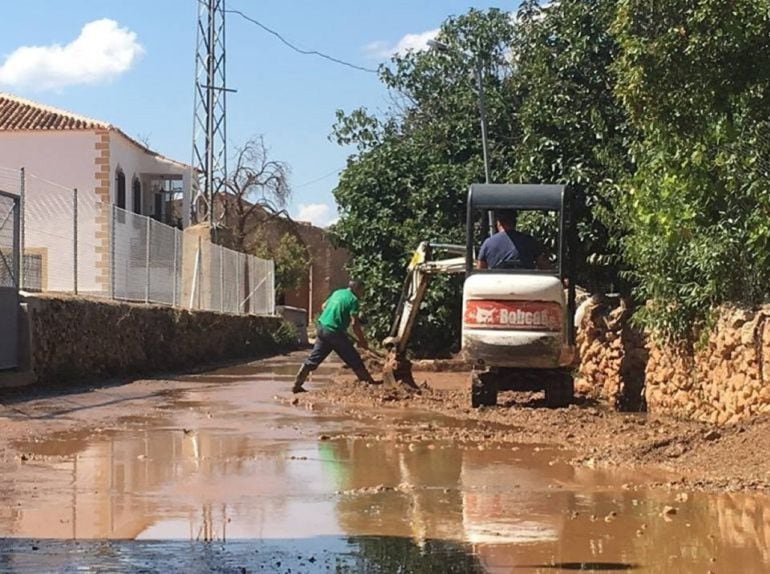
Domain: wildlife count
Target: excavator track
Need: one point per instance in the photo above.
(557, 383)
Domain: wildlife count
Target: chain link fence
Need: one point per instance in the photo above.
(231, 282)
(73, 243)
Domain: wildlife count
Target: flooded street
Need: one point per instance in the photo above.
(219, 472)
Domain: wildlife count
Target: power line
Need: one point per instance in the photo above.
(300, 50)
(320, 178)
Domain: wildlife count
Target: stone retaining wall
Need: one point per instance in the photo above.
(612, 355)
(73, 338)
(721, 380)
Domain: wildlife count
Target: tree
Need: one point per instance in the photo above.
(257, 184)
(695, 80)
(291, 258)
(575, 131)
(409, 177)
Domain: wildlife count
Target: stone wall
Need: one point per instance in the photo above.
(612, 354)
(720, 380)
(74, 338)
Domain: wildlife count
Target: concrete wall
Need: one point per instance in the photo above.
(327, 271)
(75, 339)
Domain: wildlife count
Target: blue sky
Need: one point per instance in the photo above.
(138, 71)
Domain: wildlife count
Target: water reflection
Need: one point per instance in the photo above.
(498, 509)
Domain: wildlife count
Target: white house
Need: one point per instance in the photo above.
(107, 167)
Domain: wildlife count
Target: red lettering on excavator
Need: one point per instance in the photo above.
(515, 315)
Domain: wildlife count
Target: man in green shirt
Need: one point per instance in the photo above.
(340, 311)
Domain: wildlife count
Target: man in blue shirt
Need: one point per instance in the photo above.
(509, 248)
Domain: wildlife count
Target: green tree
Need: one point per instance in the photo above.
(408, 180)
(694, 77)
(574, 129)
(292, 261)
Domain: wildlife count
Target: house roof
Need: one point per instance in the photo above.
(20, 114)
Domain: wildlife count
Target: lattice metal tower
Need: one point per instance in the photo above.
(210, 125)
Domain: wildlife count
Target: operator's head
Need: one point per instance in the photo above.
(356, 286)
(506, 219)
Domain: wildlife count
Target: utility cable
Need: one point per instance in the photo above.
(300, 50)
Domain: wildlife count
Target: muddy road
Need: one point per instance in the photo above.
(226, 471)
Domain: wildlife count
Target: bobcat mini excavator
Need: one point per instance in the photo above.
(518, 325)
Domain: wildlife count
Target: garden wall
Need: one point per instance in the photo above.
(72, 338)
(720, 380)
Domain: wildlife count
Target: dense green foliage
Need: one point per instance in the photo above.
(410, 178)
(574, 130)
(694, 77)
(655, 114)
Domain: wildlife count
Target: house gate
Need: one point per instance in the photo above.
(9, 280)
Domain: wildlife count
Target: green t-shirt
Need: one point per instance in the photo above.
(339, 307)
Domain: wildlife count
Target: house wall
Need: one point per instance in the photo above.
(137, 163)
(71, 160)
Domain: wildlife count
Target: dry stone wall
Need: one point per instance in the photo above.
(612, 354)
(74, 338)
(721, 380)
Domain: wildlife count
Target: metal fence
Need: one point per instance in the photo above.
(231, 282)
(73, 243)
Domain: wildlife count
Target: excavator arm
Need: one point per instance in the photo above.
(420, 270)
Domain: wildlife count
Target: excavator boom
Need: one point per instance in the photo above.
(419, 272)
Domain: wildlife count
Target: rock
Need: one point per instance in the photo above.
(669, 511)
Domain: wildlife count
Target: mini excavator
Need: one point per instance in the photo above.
(518, 324)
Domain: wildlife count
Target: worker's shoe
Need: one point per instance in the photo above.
(299, 380)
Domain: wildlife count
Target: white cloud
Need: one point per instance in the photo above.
(102, 52)
(410, 42)
(319, 214)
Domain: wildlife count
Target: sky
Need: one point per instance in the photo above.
(133, 64)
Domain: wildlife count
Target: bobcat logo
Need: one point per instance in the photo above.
(485, 316)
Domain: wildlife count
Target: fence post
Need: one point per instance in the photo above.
(75, 240)
(198, 272)
(176, 266)
(221, 279)
(147, 264)
(238, 283)
(22, 212)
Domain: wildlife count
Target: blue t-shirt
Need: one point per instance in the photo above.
(510, 250)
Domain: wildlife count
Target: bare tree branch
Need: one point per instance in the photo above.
(257, 183)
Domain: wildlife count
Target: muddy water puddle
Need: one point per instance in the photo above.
(274, 487)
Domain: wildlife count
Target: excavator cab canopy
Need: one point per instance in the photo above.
(486, 198)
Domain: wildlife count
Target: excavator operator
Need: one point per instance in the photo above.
(509, 248)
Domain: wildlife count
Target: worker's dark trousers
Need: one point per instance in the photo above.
(328, 341)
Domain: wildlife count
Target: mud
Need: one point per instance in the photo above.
(228, 472)
(694, 455)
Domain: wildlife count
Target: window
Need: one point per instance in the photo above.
(137, 195)
(120, 189)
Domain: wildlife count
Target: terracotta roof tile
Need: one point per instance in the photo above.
(17, 114)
